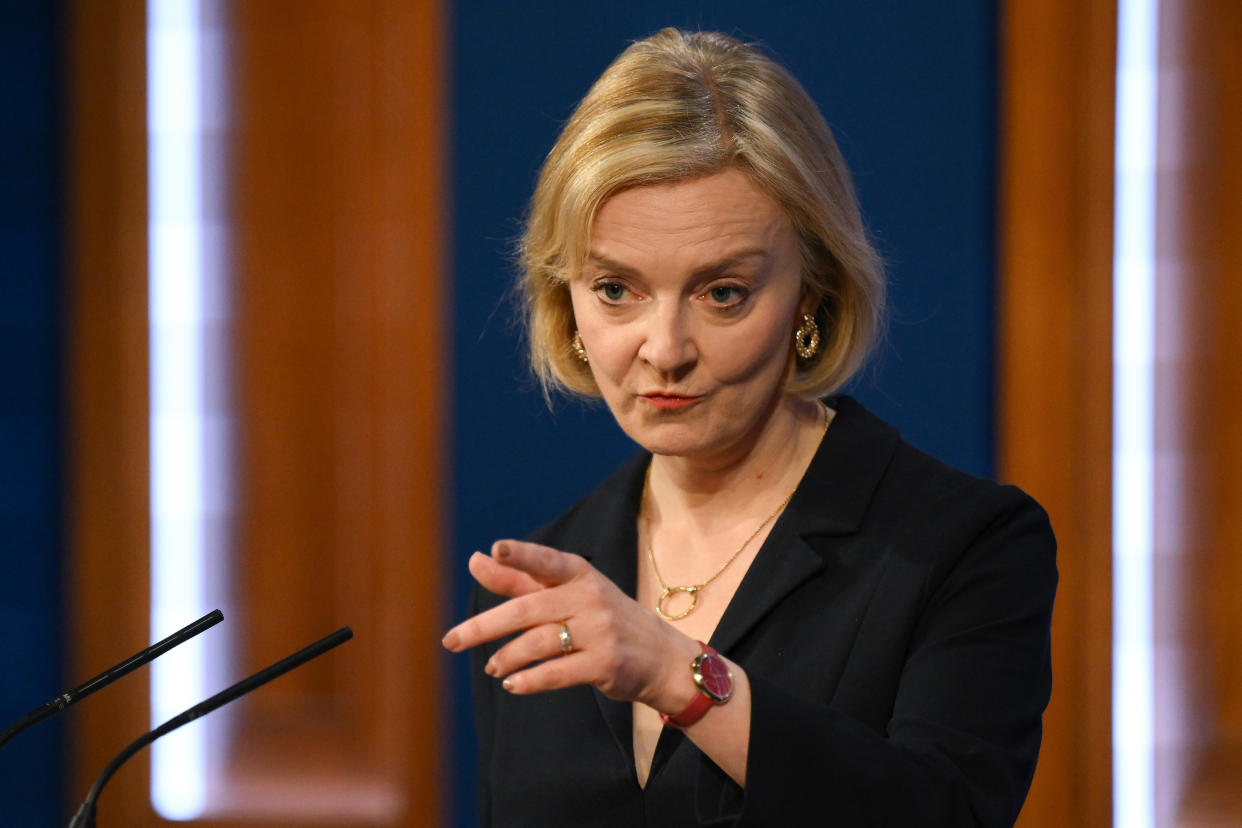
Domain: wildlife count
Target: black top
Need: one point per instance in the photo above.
(895, 630)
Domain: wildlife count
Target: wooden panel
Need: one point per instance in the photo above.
(340, 310)
(335, 211)
(1054, 310)
(1199, 240)
(1214, 799)
(1214, 30)
(107, 325)
(1055, 363)
(1183, 445)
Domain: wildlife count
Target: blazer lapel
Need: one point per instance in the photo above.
(783, 563)
(612, 552)
(831, 500)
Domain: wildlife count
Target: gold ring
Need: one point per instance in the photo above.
(567, 641)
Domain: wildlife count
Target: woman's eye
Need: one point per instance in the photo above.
(611, 291)
(726, 294)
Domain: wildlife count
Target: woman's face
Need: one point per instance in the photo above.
(686, 308)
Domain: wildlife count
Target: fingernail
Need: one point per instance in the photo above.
(450, 640)
(508, 685)
(490, 667)
(502, 551)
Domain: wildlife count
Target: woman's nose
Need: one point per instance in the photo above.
(667, 344)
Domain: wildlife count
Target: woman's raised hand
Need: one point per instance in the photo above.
(618, 646)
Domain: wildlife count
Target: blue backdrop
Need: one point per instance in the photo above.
(909, 89)
(30, 409)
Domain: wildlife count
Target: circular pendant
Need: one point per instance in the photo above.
(692, 591)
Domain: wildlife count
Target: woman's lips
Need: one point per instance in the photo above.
(670, 402)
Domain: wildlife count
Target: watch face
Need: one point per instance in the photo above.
(712, 676)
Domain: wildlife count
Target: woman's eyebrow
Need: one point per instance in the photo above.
(605, 263)
(735, 258)
(731, 260)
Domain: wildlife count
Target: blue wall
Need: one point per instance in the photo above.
(909, 90)
(30, 409)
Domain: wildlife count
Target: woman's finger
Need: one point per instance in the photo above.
(514, 615)
(499, 579)
(546, 565)
(552, 674)
(537, 644)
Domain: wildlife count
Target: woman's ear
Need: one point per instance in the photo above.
(809, 303)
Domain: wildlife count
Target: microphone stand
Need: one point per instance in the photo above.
(85, 816)
(112, 674)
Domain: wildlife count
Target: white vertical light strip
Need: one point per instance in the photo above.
(178, 469)
(1133, 413)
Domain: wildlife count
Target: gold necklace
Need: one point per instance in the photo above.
(692, 590)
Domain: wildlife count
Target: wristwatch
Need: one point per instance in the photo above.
(715, 685)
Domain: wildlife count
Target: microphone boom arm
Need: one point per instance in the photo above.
(85, 817)
(112, 674)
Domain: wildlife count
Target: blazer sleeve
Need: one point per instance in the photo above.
(961, 744)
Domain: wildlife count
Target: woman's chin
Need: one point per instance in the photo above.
(683, 441)
(668, 438)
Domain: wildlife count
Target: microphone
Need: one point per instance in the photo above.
(112, 674)
(85, 817)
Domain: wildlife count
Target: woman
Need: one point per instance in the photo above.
(876, 623)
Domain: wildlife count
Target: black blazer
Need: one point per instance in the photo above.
(895, 630)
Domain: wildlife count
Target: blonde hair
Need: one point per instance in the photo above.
(679, 105)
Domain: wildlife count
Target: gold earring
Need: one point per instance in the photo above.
(806, 338)
(576, 344)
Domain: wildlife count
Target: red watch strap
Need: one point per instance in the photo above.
(694, 711)
(698, 706)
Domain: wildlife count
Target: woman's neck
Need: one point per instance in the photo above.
(766, 467)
